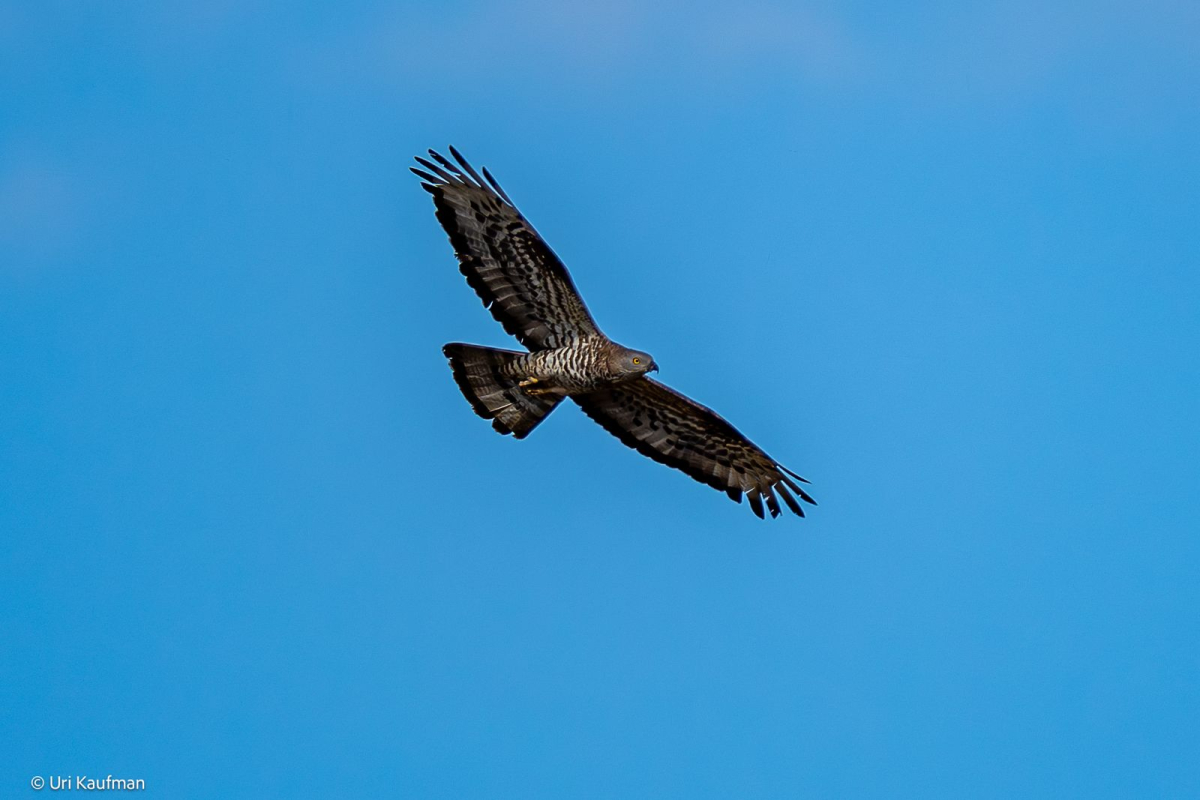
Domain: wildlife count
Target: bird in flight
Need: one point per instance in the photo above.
(528, 290)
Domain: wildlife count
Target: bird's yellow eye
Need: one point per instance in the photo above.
(637, 361)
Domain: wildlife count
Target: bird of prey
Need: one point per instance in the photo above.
(528, 290)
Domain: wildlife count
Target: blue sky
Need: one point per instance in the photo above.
(939, 258)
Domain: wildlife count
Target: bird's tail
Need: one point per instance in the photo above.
(480, 373)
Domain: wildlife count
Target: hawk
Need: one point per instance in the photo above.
(528, 290)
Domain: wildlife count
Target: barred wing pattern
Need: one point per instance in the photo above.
(674, 430)
(512, 269)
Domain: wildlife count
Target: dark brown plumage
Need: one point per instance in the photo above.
(677, 431)
(512, 269)
(529, 291)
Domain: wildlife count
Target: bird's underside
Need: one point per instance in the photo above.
(529, 291)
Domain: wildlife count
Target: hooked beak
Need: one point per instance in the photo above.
(653, 367)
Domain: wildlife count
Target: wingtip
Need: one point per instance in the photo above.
(756, 504)
(794, 475)
(795, 508)
(497, 187)
(772, 503)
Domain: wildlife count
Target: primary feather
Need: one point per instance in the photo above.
(529, 291)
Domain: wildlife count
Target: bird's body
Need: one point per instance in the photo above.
(582, 366)
(527, 288)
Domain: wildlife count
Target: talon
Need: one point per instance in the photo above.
(535, 387)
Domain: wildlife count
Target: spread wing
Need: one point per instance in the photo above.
(674, 430)
(506, 262)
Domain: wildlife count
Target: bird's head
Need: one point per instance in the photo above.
(632, 363)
